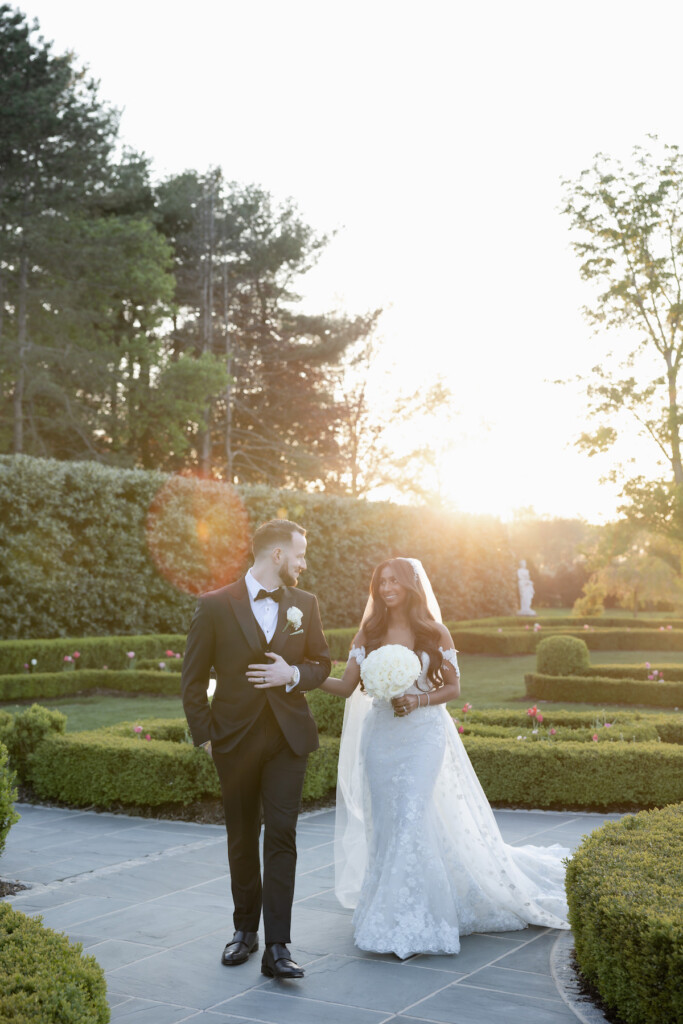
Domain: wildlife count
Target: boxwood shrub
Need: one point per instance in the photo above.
(44, 979)
(8, 795)
(601, 690)
(41, 685)
(577, 776)
(624, 886)
(109, 768)
(105, 769)
(562, 656)
(669, 727)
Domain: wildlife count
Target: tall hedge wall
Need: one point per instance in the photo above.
(75, 541)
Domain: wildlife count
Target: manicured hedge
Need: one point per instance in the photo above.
(640, 732)
(671, 673)
(95, 652)
(669, 727)
(8, 795)
(44, 979)
(575, 622)
(562, 655)
(110, 768)
(76, 537)
(603, 690)
(104, 769)
(487, 640)
(41, 685)
(592, 776)
(624, 887)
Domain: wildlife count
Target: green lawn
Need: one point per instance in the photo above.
(487, 682)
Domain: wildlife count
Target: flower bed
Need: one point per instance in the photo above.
(624, 886)
(597, 689)
(44, 979)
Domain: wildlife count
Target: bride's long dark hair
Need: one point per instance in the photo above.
(420, 619)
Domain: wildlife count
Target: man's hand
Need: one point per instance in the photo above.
(266, 676)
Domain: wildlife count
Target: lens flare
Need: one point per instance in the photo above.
(198, 533)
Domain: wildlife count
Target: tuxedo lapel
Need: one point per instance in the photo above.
(238, 595)
(282, 630)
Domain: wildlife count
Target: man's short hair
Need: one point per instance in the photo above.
(274, 533)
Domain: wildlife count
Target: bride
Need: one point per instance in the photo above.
(418, 852)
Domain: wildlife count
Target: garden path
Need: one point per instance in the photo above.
(150, 899)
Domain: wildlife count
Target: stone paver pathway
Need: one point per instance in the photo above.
(151, 901)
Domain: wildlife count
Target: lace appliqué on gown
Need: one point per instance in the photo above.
(433, 863)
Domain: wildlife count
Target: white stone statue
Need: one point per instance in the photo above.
(526, 590)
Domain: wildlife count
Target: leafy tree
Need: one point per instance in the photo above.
(84, 275)
(628, 234)
(237, 257)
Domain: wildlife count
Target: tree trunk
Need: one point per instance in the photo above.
(674, 433)
(207, 318)
(229, 455)
(22, 340)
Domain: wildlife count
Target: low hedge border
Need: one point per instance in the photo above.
(640, 733)
(577, 776)
(44, 977)
(669, 727)
(624, 888)
(104, 768)
(97, 651)
(41, 685)
(574, 622)
(602, 690)
(673, 673)
(109, 768)
(496, 637)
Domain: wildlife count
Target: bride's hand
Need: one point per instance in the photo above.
(404, 704)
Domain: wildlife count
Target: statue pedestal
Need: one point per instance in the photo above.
(531, 613)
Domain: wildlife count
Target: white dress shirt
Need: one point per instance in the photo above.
(266, 613)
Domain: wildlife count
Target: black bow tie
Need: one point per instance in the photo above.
(274, 595)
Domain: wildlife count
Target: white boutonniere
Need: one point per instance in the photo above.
(294, 617)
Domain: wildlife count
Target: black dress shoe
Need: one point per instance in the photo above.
(238, 949)
(277, 963)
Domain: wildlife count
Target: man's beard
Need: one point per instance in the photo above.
(286, 577)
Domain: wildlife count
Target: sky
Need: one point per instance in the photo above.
(432, 138)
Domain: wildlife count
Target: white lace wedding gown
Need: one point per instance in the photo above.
(418, 852)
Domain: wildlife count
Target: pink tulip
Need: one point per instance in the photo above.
(553, 731)
(539, 718)
(26, 665)
(466, 708)
(130, 654)
(137, 728)
(647, 664)
(162, 664)
(77, 654)
(595, 737)
(178, 655)
(461, 728)
(586, 627)
(148, 737)
(169, 654)
(669, 627)
(608, 725)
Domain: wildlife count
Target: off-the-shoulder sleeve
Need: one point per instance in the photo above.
(451, 655)
(358, 653)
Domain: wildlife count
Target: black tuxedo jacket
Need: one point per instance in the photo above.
(224, 635)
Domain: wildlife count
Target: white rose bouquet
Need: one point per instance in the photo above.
(389, 671)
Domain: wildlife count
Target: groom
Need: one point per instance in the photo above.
(266, 643)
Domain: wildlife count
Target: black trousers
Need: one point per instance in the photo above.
(262, 776)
